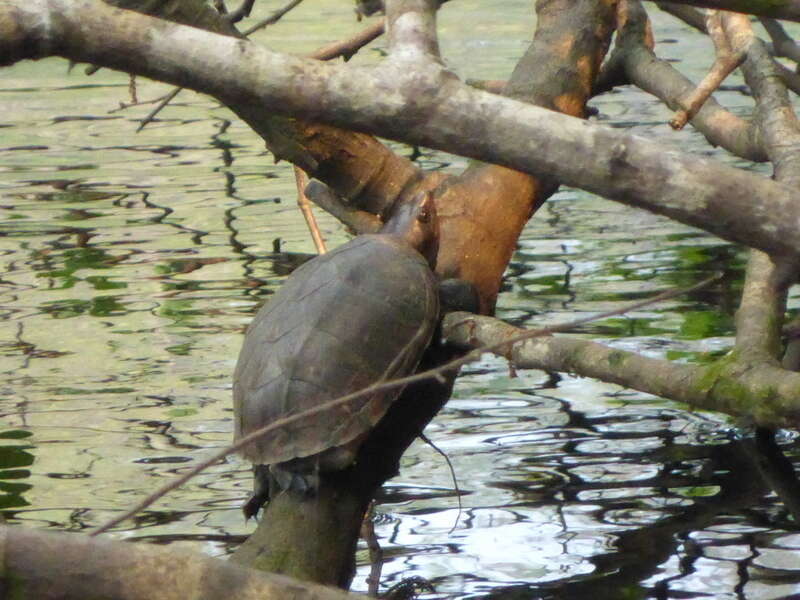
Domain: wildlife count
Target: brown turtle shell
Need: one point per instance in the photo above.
(362, 313)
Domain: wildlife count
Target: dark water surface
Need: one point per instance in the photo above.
(132, 263)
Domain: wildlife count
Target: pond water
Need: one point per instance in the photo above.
(131, 264)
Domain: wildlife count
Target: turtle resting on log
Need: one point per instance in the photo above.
(360, 314)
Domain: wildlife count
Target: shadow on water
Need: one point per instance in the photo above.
(731, 485)
(643, 504)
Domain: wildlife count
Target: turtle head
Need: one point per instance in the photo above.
(416, 223)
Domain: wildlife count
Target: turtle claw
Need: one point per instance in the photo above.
(252, 506)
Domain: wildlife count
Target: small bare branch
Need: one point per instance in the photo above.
(158, 108)
(305, 207)
(347, 48)
(730, 52)
(694, 17)
(782, 44)
(273, 18)
(660, 78)
(132, 89)
(452, 470)
(687, 14)
(790, 79)
(375, 552)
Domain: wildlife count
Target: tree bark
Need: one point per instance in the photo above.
(67, 566)
(765, 394)
(782, 9)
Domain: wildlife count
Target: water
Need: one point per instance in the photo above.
(132, 263)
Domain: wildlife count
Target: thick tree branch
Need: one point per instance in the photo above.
(557, 70)
(760, 316)
(774, 114)
(766, 395)
(359, 221)
(68, 566)
(780, 9)
(428, 107)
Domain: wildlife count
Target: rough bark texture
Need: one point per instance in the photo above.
(308, 538)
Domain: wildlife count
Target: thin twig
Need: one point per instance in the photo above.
(446, 458)
(375, 551)
(301, 178)
(346, 48)
(437, 372)
(152, 114)
(273, 18)
(132, 88)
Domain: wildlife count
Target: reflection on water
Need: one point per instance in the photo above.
(132, 263)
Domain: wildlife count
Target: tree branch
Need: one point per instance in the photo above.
(658, 77)
(728, 56)
(784, 9)
(68, 566)
(766, 395)
(428, 107)
(760, 316)
(783, 45)
(412, 30)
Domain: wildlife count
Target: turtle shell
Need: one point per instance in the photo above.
(362, 313)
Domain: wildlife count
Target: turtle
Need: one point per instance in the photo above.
(362, 313)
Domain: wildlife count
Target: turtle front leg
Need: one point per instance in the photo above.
(260, 491)
(458, 295)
